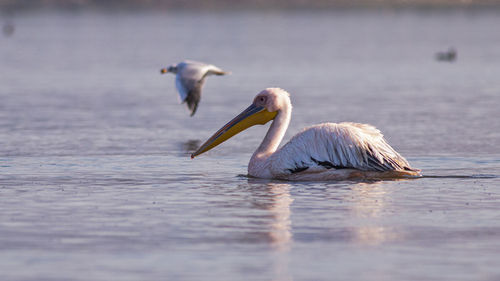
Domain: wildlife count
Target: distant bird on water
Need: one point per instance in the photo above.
(327, 151)
(450, 55)
(190, 76)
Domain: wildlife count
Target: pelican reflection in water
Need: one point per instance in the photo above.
(275, 198)
(328, 151)
(370, 204)
(189, 80)
(363, 209)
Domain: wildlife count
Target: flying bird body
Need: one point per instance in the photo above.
(189, 80)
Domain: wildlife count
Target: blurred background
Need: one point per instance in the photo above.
(78, 69)
(227, 4)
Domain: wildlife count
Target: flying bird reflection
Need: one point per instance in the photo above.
(327, 151)
(8, 29)
(190, 76)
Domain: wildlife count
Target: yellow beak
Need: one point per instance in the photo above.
(163, 70)
(253, 115)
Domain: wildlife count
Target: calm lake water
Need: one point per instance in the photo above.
(96, 182)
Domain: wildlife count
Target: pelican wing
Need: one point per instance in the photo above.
(337, 146)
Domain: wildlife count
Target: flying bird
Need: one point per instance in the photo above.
(328, 151)
(190, 76)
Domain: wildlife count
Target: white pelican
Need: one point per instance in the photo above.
(327, 151)
(190, 76)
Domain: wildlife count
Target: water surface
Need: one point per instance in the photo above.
(96, 182)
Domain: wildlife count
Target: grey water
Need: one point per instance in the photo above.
(96, 182)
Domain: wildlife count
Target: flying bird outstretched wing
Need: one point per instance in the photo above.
(189, 91)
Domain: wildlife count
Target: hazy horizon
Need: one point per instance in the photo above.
(239, 4)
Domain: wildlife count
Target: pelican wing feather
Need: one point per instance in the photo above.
(337, 146)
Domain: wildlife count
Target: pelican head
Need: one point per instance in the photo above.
(263, 109)
(172, 68)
